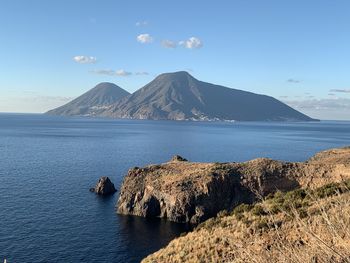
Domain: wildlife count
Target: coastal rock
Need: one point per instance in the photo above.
(193, 192)
(104, 186)
(178, 158)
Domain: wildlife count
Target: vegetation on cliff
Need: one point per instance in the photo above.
(302, 225)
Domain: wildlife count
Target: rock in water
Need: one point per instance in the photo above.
(104, 186)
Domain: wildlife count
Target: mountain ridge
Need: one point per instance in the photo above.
(179, 96)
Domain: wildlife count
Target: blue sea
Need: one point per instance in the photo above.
(48, 164)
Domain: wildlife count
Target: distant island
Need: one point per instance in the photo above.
(179, 96)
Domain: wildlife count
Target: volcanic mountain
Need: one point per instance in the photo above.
(92, 102)
(179, 96)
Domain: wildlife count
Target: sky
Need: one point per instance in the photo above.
(296, 51)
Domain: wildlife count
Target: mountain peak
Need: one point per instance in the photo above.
(177, 75)
(92, 101)
(105, 85)
(179, 96)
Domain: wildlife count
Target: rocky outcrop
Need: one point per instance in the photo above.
(104, 186)
(192, 192)
(178, 158)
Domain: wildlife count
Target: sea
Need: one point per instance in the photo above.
(48, 164)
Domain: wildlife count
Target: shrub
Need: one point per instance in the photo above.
(258, 210)
(182, 234)
(209, 224)
(223, 213)
(275, 208)
(328, 190)
(286, 201)
(262, 224)
(302, 212)
(298, 194)
(242, 208)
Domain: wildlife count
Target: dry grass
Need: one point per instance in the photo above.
(298, 226)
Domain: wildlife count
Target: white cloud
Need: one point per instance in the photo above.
(192, 43)
(340, 90)
(141, 23)
(295, 81)
(168, 44)
(85, 59)
(316, 104)
(138, 73)
(144, 38)
(34, 103)
(104, 72)
(122, 72)
(110, 72)
(331, 108)
(119, 72)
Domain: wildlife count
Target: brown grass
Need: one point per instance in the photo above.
(298, 226)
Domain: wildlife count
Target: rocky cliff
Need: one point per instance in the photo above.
(183, 191)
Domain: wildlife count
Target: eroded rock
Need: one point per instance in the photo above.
(104, 186)
(193, 192)
(178, 158)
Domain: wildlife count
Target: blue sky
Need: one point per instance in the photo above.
(297, 51)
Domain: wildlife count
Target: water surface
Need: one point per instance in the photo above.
(48, 164)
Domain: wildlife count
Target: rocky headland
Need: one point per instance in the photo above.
(191, 192)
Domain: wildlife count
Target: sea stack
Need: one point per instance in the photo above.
(104, 186)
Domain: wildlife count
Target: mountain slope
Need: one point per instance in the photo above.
(92, 102)
(179, 96)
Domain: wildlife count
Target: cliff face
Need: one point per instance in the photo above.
(180, 191)
(184, 191)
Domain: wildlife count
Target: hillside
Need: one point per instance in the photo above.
(179, 96)
(92, 102)
(298, 226)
